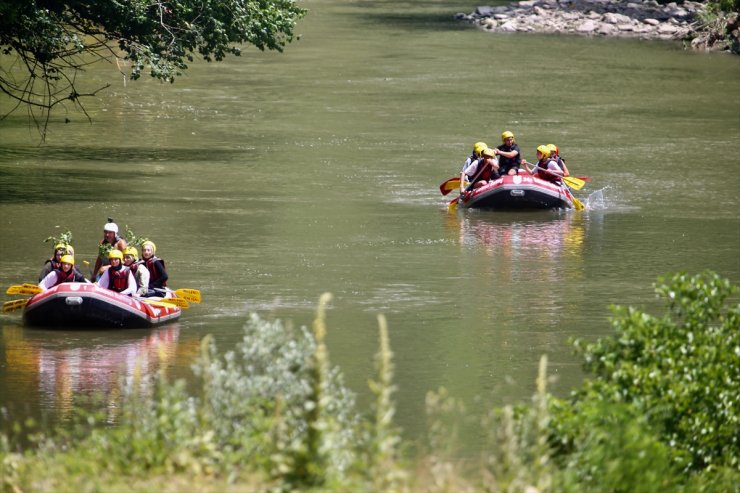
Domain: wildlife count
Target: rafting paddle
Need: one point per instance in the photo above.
(24, 289)
(189, 294)
(450, 185)
(573, 182)
(167, 302)
(11, 306)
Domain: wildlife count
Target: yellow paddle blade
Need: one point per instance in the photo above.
(189, 294)
(11, 306)
(177, 302)
(573, 182)
(170, 301)
(163, 303)
(24, 289)
(449, 185)
(578, 204)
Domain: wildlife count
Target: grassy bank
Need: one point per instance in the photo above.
(660, 413)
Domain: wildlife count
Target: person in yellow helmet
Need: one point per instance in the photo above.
(480, 171)
(478, 148)
(117, 277)
(55, 262)
(546, 167)
(65, 273)
(157, 270)
(141, 273)
(474, 157)
(555, 154)
(510, 157)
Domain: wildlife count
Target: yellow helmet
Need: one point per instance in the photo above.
(544, 150)
(60, 246)
(488, 152)
(68, 259)
(151, 244)
(553, 149)
(115, 254)
(129, 250)
(479, 147)
(506, 135)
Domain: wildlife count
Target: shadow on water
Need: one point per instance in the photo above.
(409, 15)
(99, 154)
(78, 171)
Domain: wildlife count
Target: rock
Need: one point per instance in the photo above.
(508, 27)
(612, 18)
(646, 19)
(607, 29)
(587, 26)
(489, 23)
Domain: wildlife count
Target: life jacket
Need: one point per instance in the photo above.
(507, 163)
(135, 270)
(118, 278)
(72, 276)
(561, 164)
(153, 274)
(547, 174)
(54, 264)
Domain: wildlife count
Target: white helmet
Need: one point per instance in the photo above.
(111, 226)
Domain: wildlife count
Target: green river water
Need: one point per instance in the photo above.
(269, 179)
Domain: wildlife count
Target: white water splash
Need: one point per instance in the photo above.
(596, 200)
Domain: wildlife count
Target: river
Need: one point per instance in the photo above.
(269, 179)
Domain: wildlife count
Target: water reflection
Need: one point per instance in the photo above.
(82, 365)
(526, 264)
(550, 236)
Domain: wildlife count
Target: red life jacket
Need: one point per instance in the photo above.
(118, 278)
(153, 274)
(547, 174)
(72, 276)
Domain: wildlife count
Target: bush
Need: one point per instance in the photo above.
(677, 376)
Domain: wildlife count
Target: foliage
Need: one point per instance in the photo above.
(134, 240)
(65, 238)
(660, 414)
(719, 27)
(724, 5)
(53, 41)
(678, 376)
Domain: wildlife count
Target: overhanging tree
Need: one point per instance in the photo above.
(47, 43)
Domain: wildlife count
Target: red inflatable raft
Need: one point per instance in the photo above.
(77, 304)
(518, 192)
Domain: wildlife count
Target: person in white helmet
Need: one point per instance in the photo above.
(110, 241)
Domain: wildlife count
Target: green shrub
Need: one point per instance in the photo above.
(678, 376)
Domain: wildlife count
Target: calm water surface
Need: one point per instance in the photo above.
(271, 178)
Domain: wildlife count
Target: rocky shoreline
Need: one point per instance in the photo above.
(645, 19)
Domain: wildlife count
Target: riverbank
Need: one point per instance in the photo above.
(644, 19)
